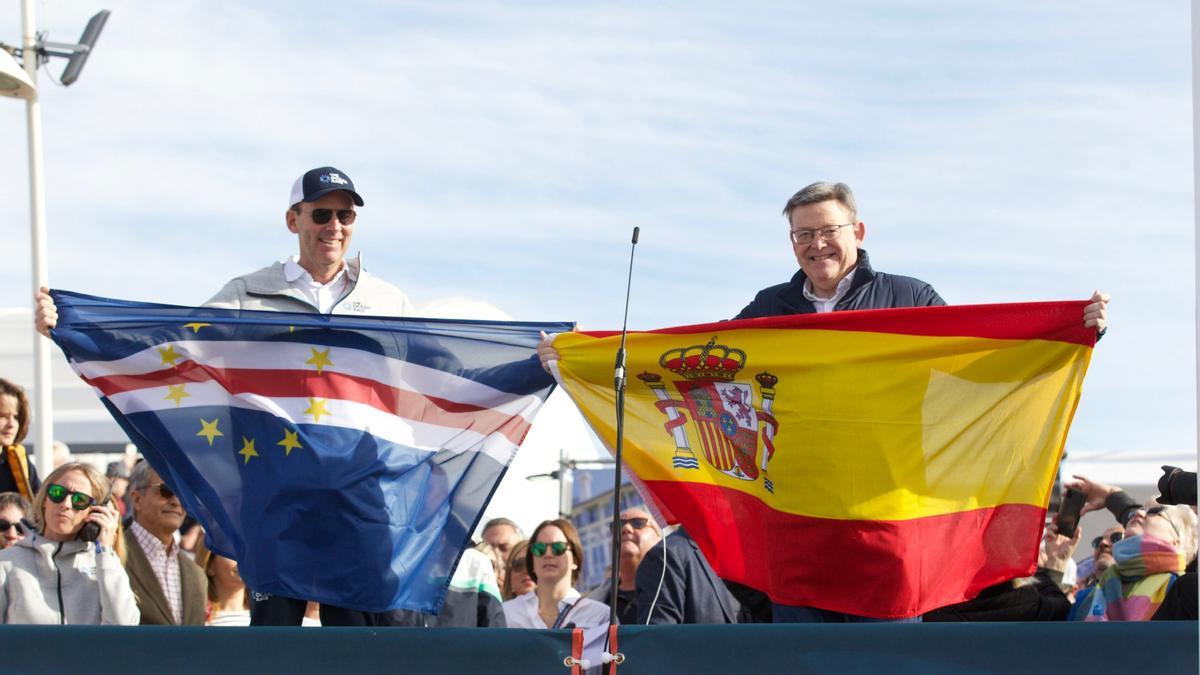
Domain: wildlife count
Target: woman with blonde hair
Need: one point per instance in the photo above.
(1154, 552)
(228, 601)
(517, 581)
(67, 571)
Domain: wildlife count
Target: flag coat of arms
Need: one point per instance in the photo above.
(345, 460)
(880, 463)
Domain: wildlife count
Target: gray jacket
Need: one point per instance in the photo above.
(268, 289)
(48, 582)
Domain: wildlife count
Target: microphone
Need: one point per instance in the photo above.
(619, 387)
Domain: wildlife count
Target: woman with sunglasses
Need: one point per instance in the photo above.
(554, 564)
(1156, 548)
(517, 582)
(66, 572)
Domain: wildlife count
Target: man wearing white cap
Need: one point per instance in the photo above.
(321, 214)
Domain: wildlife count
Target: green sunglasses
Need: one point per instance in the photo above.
(79, 500)
(539, 548)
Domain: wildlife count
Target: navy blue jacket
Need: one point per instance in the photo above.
(868, 290)
(690, 591)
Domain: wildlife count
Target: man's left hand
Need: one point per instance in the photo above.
(1095, 314)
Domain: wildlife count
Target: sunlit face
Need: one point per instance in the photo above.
(61, 521)
(12, 515)
(636, 541)
(322, 247)
(550, 568)
(9, 424)
(522, 583)
(224, 573)
(1103, 552)
(161, 517)
(502, 537)
(1159, 527)
(825, 263)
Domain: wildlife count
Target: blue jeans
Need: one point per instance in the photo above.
(801, 614)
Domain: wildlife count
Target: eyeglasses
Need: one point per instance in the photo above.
(635, 523)
(4, 525)
(1111, 539)
(539, 548)
(829, 233)
(79, 500)
(322, 216)
(163, 491)
(1159, 511)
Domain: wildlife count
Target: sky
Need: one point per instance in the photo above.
(1002, 151)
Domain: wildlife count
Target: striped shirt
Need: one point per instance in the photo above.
(165, 563)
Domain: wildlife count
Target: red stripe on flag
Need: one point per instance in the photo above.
(1058, 321)
(339, 386)
(882, 569)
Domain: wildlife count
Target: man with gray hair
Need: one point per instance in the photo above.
(169, 587)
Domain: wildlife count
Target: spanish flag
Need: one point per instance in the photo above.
(881, 463)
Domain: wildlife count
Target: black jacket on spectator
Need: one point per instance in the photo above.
(691, 591)
(868, 290)
(1122, 506)
(1041, 600)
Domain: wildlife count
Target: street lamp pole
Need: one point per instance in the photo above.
(43, 422)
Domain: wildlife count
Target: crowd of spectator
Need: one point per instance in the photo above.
(85, 548)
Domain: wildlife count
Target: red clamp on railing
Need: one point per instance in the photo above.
(614, 658)
(575, 661)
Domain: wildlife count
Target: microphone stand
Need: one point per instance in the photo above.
(619, 387)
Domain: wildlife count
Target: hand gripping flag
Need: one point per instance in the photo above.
(881, 463)
(337, 459)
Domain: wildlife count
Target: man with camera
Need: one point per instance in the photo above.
(169, 587)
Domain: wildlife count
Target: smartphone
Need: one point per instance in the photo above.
(1068, 512)
(91, 531)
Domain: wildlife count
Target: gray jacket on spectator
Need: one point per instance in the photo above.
(268, 289)
(50, 582)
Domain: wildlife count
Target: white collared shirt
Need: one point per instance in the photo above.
(522, 611)
(165, 563)
(322, 296)
(827, 305)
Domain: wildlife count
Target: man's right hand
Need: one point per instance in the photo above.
(1097, 492)
(546, 351)
(45, 315)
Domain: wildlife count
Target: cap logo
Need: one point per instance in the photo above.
(334, 178)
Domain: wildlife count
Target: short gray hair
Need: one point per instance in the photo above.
(139, 478)
(496, 522)
(822, 191)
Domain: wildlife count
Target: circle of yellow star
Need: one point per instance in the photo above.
(290, 442)
(196, 326)
(209, 430)
(320, 358)
(169, 355)
(247, 450)
(176, 393)
(316, 408)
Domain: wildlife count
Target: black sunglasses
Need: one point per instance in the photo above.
(4, 525)
(79, 500)
(539, 548)
(1112, 539)
(163, 491)
(635, 523)
(322, 216)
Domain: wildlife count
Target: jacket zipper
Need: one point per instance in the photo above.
(62, 611)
